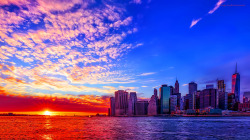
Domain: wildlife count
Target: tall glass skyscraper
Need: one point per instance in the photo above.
(164, 98)
(236, 85)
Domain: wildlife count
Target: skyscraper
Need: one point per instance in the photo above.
(141, 108)
(176, 86)
(236, 85)
(131, 103)
(192, 87)
(153, 105)
(223, 97)
(165, 92)
(173, 103)
(112, 106)
(155, 92)
(208, 98)
(191, 96)
(221, 85)
(121, 102)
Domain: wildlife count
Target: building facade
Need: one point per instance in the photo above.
(173, 103)
(153, 105)
(112, 106)
(131, 103)
(165, 92)
(236, 85)
(121, 103)
(221, 86)
(208, 98)
(223, 97)
(141, 108)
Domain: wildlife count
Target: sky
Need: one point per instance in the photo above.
(71, 56)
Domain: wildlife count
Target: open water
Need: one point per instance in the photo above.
(41, 127)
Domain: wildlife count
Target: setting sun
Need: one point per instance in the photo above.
(47, 113)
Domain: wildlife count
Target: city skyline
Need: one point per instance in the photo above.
(71, 56)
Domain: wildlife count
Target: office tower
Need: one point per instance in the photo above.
(121, 102)
(191, 96)
(112, 106)
(173, 103)
(208, 98)
(223, 97)
(182, 103)
(186, 102)
(131, 103)
(197, 101)
(176, 89)
(141, 108)
(171, 90)
(231, 101)
(165, 92)
(178, 99)
(108, 111)
(236, 85)
(153, 104)
(155, 92)
(209, 86)
(221, 86)
(192, 87)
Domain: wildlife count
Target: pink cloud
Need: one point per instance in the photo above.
(194, 22)
(218, 4)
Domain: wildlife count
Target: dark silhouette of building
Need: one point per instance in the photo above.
(231, 101)
(141, 108)
(192, 87)
(112, 106)
(208, 98)
(176, 89)
(223, 97)
(191, 96)
(121, 102)
(131, 103)
(236, 85)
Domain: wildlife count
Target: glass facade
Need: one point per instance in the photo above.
(164, 98)
(236, 86)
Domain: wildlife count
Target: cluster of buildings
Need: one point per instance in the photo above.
(211, 100)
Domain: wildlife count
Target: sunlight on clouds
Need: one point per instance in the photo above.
(60, 45)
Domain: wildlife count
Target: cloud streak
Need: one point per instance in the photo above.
(217, 5)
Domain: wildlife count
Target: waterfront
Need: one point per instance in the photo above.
(52, 127)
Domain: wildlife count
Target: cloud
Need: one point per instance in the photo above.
(63, 46)
(146, 74)
(194, 22)
(136, 1)
(144, 86)
(54, 102)
(218, 4)
(184, 84)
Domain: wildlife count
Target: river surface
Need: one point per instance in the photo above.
(41, 127)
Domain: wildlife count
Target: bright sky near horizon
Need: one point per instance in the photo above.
(71, 55)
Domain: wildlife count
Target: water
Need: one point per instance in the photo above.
(37, 127)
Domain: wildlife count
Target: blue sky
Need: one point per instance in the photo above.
(71, 48)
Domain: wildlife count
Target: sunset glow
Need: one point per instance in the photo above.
(47, 113)
(72, 55)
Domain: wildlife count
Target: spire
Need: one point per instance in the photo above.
(236, 68)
